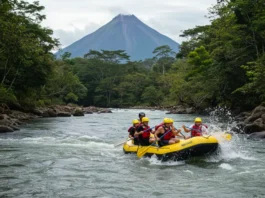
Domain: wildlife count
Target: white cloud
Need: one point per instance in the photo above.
(72, 20)
(68, 36)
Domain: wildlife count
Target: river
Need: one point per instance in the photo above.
(76, 157)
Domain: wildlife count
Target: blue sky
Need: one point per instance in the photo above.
(72, 20)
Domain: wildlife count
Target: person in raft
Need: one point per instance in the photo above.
(166, 134)
(197, 129)
(176, 131)
(141, 115)
(132, 131)
(143, 133)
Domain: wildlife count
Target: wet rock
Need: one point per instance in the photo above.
(21, 115)
(52, 113)
(254, 122)
(3, 117)
(180, 110)
(64, 114)
(92, 109)
(4, 129)
(62, 108)
(190, 110)
(263, 117)
(242, 116)
(78, 112)
(257, 135)
(251, 128)
(37, 112)
(5, 122)
(9, 122)
(4, 109)
(105, 111)
(256, 113)
(14, 128)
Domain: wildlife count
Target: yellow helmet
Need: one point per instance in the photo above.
(167, 120)
(145, 119)
(171, 120)
(198, 120)
(135, 121)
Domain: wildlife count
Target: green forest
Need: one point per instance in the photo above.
(220, 64)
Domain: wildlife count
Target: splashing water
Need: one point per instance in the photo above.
(221, 120)
(226, 166)
(76, 157)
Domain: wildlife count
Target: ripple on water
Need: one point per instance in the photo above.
(76, 157)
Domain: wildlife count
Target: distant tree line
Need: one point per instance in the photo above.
(221, 64)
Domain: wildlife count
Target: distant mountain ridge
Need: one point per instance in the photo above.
(123, 32)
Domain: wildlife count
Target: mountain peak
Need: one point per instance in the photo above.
(125, 17)
(123, 32)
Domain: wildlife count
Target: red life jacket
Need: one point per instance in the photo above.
(197, 130)
(169, 134)
(146, 133)
(138, 125)
(129, 130)
(157, 126)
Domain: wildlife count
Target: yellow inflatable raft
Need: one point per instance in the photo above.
(196, 146)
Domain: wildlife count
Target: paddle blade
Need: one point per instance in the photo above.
(222, 136)
(227, 136)
(142, 151)
(119, 144)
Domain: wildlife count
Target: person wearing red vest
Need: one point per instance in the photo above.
(197, 129)
(132, 131)
(166, 134)
(176, 131)
(143, 133)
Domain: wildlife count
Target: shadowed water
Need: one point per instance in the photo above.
(76, 157)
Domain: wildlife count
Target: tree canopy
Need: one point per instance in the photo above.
(218, 64)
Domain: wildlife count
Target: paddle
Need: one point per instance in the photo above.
(141, 153)
(123, 142)
(182, 135)
(193, 129)
(225, 135)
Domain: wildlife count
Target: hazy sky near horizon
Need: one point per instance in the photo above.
(72, 20)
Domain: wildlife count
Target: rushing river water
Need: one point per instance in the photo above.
(76, 157)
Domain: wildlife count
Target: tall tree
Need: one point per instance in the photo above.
(164, 53)
(24, 46)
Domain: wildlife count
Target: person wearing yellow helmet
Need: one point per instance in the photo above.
(176, 131)
(132, 131)
(161, 124)
(143, 132)
(197, 129)
(166, 133)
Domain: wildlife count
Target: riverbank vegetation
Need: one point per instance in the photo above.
(220, 64)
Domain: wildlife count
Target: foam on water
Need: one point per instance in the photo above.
(154, 161)
(70, 141)
(188, 171)
(229, 151)
(221, 120)
(77, 159)
(226, 166)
